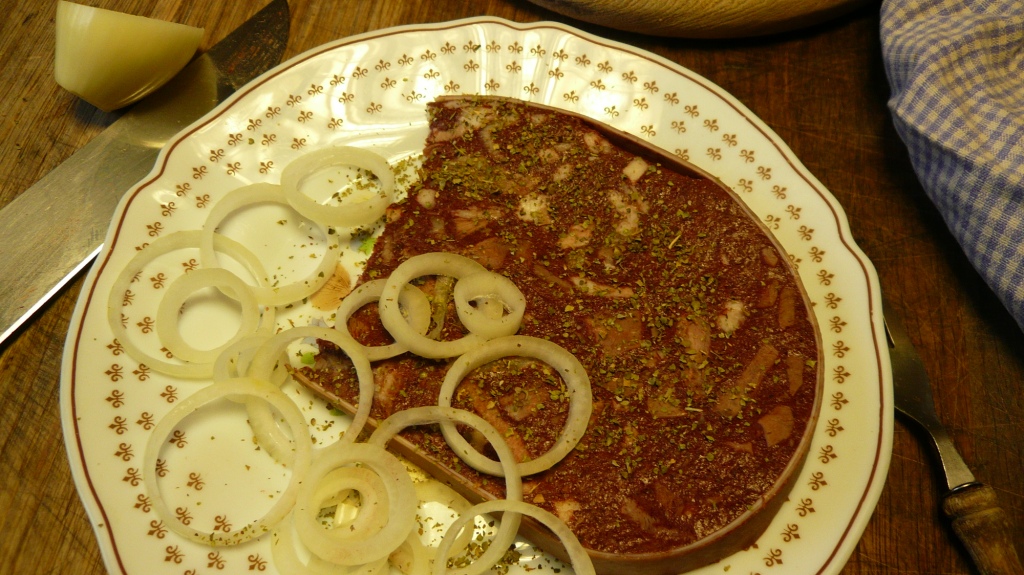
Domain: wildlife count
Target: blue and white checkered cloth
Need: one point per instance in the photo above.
(956, 69)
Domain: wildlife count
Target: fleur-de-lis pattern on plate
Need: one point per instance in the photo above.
(792, 531)
(350, 92)
(119, 425)
(216, 560)
(156, 528)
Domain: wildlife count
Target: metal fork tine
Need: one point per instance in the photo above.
(906, 367)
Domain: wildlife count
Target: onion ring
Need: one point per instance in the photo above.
(509, 527)
(568, 367)
(184, 287)
(269, 358)
(373, 509)
(412, 299)
(266, 293)
(120, 288)
(254, 389)
(357, 548)
(581, 563)
(346, 215)
(496, 294)
(436, 263)
(286, 558)
(234, 361)
(413, 557)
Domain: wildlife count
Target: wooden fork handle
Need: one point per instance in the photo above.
(984, 529)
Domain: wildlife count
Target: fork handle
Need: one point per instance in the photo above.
(984, 529)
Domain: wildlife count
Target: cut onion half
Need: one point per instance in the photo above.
(568, 367)
(111, 59)
(354, 214)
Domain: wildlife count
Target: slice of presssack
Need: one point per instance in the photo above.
(695, 333)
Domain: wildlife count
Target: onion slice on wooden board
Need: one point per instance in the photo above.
(111, 59)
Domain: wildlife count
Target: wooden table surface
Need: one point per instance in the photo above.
(823, 90)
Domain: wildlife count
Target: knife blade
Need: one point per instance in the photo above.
(54, 229)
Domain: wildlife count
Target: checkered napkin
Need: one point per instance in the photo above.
(956, 69)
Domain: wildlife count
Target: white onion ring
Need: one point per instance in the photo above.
(509, 526)
(345, 215)
(234, 361)
(286, 558)
(265, 292)
(123, 281)
(413, 557)
(435, 263)
(581, 563)
(337, 484)
(184, 287)
(269, 358)
(568, 367)
(267, 432)
(256, 390)
(412, 299)
(357, 548)
(496, 294)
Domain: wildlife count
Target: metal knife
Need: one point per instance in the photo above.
(972, 506)
(53, 230)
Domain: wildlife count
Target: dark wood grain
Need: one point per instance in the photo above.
(823, 90)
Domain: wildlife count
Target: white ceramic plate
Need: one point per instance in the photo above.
(370, 90)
